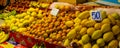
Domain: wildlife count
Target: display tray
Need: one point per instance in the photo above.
(30, 41)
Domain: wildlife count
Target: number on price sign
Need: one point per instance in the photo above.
(96, 15)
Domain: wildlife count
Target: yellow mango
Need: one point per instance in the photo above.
(90, 23)
(84, 15)
(95, 46)
(85, 38)
(83, 31)
(105, 28)
(97, 34)
(116, 29)
(113, 44)
(88, 45)
(97, 26)
(90, 31)
(108, 36)
(100, 42)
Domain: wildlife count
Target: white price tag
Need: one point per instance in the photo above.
(96, 15)
(54, 11)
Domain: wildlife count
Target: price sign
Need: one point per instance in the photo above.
(96, 15)
(54, 11)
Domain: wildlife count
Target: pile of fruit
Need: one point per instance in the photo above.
(68, 27)
(3, 36)
(6, 45)
(38, 4)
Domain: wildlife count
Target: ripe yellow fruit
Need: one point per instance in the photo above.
(90, 23)
(33, 14)
(67, 42)
(106, 20)
(95, 46)
(103, 14)
(88, 45)
(77, 20)
(83, 22)
(116, 29)
(85, 38)
(78, 28)
(97, 34)
(71, 34)
(97, 26)
(111, 19)
(100, 42)
(108, 36)
(115, 15)
(105, 28)
(113, 44)
(69, 23)
(118, 22)
(90, 31)
(80, 42)
(83, 31)
(84, 15)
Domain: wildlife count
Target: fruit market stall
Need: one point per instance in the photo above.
(77, 26)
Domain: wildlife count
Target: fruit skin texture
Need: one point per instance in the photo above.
(78, 28)
(69, 23)
(5, 38)
(84, 15)
(106, 21)
(90, 31)
(2, 36)
(108, 36)
(71, 34)
(83, 31)
(83, 22)
(103, 14)
(88, 45)
(100, 42)
(97, 26)
(66, 43)
(80, 42)
(85, 38)
(90, 23)
(116, 16)
(77, 20)
(105, 28)
(111, 19)
(95, 46)
(116, 29)
(97, 34)
(113, 44)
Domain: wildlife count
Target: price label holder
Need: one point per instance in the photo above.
(96, 15)
(54, 11)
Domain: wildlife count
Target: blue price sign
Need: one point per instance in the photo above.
(96, 15)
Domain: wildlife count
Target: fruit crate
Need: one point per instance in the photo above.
(30, 41)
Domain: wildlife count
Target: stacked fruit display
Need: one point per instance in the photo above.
(38, 4)
(68, 27)
(95, 34)
(6, 45)
(3, 36)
